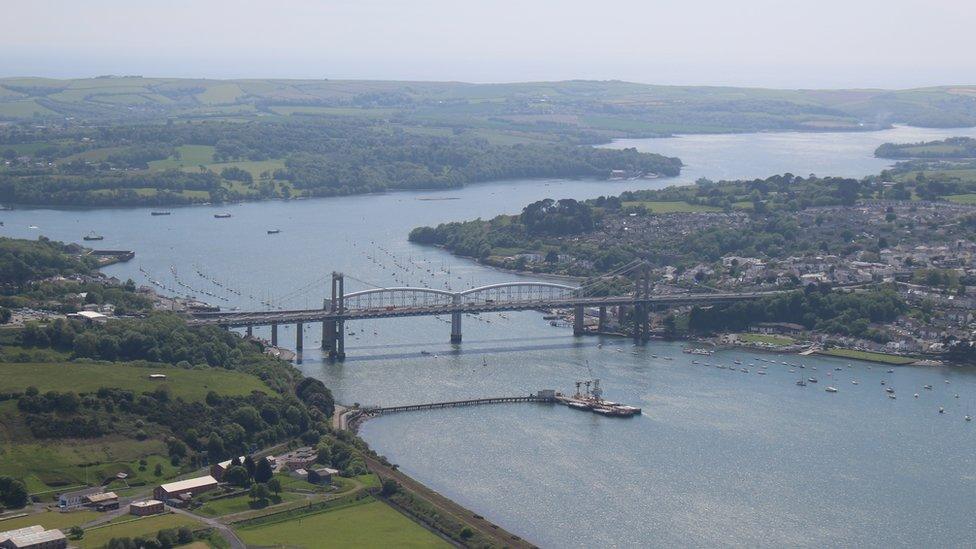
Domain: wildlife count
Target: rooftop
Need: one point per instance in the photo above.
(188, 484)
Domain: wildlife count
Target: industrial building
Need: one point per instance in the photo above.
(33, 537)
(191, 487)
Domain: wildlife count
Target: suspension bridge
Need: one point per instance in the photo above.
(394, 302)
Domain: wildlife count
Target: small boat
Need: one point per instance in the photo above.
(929, 387)
(159, 213)
(941, 410)
(968, 418)
(578, 405)
(222, 215)
(425, 353)
(831, 389)
(890, 390)
(916, 395)
(892, 396)
(274, 231)
(812, 379)
(801, 383)
(760, 372)
(890, 371)
(854, 382)
(93, 236)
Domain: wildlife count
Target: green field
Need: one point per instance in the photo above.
(764, 338)
(192, 385)
(191, 156)
(50, 519)
(371, 524)
(962, 198)
(661, 206)
(100, 536)
(867, 355)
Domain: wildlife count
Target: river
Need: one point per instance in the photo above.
(718, 457)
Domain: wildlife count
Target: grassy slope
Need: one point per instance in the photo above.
(45, 465)
(79, 377)
(672, 207)
(869, 356)
(367, 525)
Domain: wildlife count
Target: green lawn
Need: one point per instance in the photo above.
(192, 385)
(764, 338)
(50, 519)
(867, 355)
(663, 206)
(100, 536)
(239, 504)
(371, 524)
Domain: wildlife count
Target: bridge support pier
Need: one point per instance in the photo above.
(455, 327)
(578, 327)
(299, 344)
(602, 326)
(274, 334)
(250, 332)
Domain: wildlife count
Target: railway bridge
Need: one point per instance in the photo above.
(510, 296)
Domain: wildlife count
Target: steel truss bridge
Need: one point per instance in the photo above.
(510, 296)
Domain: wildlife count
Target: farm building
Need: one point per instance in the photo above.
(217, 470)
(102, 501)
(321, 475)
(193, 486)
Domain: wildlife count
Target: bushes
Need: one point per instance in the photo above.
(13, 493)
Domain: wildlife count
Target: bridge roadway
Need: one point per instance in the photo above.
(235, 319)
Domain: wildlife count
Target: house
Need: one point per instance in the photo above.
(785, 328)
(300, 474)
(321, 475)
(102, 501)
(217, 470)
(299, 458)
(91, 317)
(191, 487)
(146, 508)
(33, 537)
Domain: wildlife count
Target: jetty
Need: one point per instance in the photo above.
(590, 400)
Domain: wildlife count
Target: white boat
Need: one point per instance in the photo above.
(831, 389)
(854, 382)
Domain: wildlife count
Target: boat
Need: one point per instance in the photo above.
(602, 410)
(916, 395)
(222, 215)
(892, 396)
(578, 405)
(941, 410)
(890, 390)
(830, 389)
(890, 371)
(274, 231)
(812, 379)
(969, 418)
(801, 383)
(854, 382)
(425, 353)
(929, 387)
(93, 236)
(159, 213)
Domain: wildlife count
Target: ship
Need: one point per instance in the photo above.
(274, 231)
(93, 236)
(159, 213)
(592, 400)
(222, 215)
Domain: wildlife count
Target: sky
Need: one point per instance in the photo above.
(763, 43)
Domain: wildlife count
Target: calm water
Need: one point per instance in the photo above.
(718, 458)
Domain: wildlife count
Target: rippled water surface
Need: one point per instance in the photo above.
(718, 457)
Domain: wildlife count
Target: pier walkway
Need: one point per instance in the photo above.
(542, 396)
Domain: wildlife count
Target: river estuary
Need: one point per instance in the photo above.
(718, 457)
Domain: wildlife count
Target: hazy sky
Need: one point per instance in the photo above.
(781, 43)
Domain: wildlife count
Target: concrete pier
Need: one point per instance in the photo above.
(299, 344)
(274, 334)
(578, 327)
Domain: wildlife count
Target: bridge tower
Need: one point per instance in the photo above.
(333, 332)
(642, 291)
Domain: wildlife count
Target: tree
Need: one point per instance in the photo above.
(389, 488)
(13, 493)
(237, 476)
(259, 492)
(274, 485)
(76, 532)
(263, 471)
(249, 463)
(158, 470)
(215, 447)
